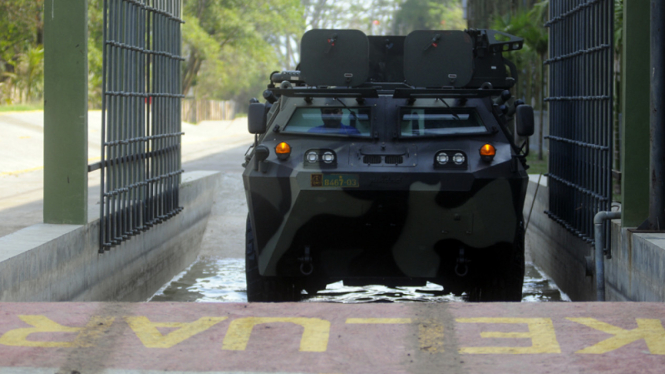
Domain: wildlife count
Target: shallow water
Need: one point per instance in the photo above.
(223, 280)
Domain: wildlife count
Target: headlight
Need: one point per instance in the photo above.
(328, 157)
(312, 157)
(325, 158)
(442, 158)
(458, 158)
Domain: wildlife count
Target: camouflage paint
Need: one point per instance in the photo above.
(398, 215)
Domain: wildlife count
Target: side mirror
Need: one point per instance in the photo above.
(257, 118)
(524, 120)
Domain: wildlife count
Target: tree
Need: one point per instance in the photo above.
(233, 43)
(95, 54)
(529, 25)
(618, 48)
(21, 36)
(428, 15)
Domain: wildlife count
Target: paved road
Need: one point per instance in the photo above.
(331, 338)
(215, 145)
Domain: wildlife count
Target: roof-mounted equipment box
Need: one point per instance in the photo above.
(436, 58)
(334, 58)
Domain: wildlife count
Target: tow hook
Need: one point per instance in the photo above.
(306, 266)
(462, 269)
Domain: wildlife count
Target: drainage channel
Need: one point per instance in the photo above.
(223, 280)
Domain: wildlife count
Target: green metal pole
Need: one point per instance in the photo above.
(66, 111)
(635, 111)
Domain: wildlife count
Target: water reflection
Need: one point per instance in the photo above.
(207, 280)
(223, 280)
(338, 293)
(539, 288)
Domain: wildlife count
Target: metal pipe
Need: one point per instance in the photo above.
(533, 202)
(657, 165)
(599, 225)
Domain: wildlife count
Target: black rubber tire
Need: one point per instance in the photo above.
(503, 283)
(266, 289)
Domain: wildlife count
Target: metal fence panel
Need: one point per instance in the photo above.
(581, 73)
(141, 128)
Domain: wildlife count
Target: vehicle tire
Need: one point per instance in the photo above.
(506, 282)
(265, 289)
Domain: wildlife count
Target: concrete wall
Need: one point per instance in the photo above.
(554, 249)
(636, 271)
(61, 262)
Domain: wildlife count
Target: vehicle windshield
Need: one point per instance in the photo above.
(440, 121)
(331, 121)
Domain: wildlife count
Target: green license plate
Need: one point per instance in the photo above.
(335, 180)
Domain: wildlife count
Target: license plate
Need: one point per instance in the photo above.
(335, 180)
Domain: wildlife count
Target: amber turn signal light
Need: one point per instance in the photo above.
(487, 152)
(283, 151)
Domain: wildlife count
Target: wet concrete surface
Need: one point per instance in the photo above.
(218, 275)
(223, 280)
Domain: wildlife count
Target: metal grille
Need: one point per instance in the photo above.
(580, 161)
(394, 159)
(141, 104)
(371, 159)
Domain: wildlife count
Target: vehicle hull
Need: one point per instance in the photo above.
(401, 225)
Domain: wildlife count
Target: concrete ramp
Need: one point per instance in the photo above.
(332, 338)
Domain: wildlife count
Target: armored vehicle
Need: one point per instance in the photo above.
(392, 160)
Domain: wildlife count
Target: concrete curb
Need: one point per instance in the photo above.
(48, 262)
(634, 273)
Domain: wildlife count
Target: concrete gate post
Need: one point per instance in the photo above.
(635, 109)
(66, 111)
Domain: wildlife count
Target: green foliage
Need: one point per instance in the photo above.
(21, 107)
(528, 25)
(536, 166)
(95, 47)
(530, 60)
(30, 70)
(21, 26)
(618, 26)
(231, 46)
(21, 54)
(428, 15)
(373, 17)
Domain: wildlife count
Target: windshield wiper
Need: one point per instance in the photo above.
(451, 109)
(355, 118)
